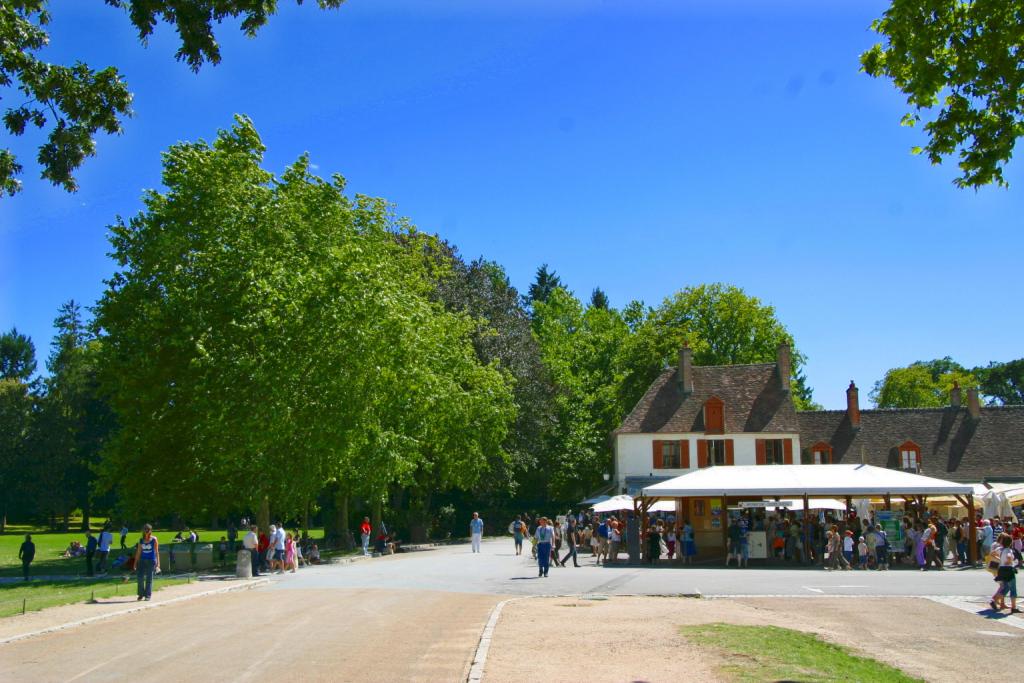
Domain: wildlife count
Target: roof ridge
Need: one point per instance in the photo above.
(737, 365)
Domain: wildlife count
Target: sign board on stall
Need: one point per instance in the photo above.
(890, 522)
(766, 504)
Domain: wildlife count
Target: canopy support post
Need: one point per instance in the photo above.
(807, 532)
(888, 502)
(972, 535)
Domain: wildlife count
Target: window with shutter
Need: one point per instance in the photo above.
(910, 457)
(656, 455)
(818, 454)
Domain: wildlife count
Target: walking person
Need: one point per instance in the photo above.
(251, 543)
(614, 541)
(364, 534)
(26, 553)
(279, 548)
(476, 531)
(518, 527)
(1006, 574)
(556, 529)
(602, 534)
(124, 535)
(90, 551)
(147, 561)
(106, 540)
(834, 547)
(290, 557)
(571, 540)
(544, 536)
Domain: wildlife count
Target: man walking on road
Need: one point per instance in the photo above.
(476, 531)
(251, 543)
(364, 532)
(570, 540)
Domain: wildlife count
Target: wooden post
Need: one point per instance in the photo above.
(972, 535)
(849, 507)
(888, 502)
(807, 531)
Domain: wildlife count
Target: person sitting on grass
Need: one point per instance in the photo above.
(314, 554)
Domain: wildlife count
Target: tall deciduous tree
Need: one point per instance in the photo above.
(580, 349)
(923, 384)
(1002, 383)
(15, 415)
(721, 323)
(961, 58)
(266, 336)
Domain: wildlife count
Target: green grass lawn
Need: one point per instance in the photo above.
(770, 653)
(51, 546)
(38, 595)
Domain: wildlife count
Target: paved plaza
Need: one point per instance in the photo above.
(420, 616)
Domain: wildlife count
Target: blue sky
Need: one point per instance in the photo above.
(638, 146)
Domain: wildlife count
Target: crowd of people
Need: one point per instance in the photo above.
(925, 540)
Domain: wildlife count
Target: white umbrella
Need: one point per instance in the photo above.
(615, 503)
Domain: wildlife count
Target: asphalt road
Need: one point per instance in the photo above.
(409, 617)
(496, 570)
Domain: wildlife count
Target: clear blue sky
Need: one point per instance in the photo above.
(637, 146)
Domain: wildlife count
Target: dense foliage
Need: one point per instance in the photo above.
(961, 57)
(927, 384)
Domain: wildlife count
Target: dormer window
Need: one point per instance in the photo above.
(818, 454)
(910, 457)
(714, 416)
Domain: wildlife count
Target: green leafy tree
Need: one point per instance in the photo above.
(73, 421)
(1002, 383)
(268, 336)
(17, 356)
(15, 414)
(962, 58)
(721, 323)
(923, 384)
(580, 349)
(74, 103)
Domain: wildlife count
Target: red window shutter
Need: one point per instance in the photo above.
(702, 453)
(657, 455)
(684, 454)
(760, 454)
(787, 451)
(728, 452)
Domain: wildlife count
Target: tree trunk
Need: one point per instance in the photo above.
(375, 517)
(67, 521)
(86, 516)
(215, 522)
(348, 541)
(263, 516)
(305, 520)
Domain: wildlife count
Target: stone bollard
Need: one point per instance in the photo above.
(243, 565)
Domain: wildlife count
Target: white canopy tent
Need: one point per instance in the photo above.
(624, 502)
(802, 480)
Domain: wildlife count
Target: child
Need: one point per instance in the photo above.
(862, 551)
(222, 548)
(848, 546)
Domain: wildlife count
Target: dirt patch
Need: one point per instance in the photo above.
(638, 639)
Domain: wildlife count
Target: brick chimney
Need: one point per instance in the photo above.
(973, 404)
(954, 395)
(686, 369)
(782, 362)
(853, 405)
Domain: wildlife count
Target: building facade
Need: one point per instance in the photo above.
(717, 416)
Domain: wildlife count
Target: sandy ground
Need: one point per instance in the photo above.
(31, 622)
(637, 638)
(293, 635)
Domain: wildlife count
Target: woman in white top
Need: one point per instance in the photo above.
(1006, 576)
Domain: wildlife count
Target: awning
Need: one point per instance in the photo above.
(803, 480)
(624, 502)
